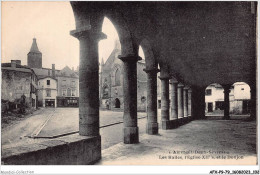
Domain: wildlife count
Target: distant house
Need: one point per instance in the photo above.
(18, 80)
(68, 88)
(47, 91)
(57, 88)
(239, 98)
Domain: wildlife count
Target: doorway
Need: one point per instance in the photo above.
(117, 103)
(210, 107)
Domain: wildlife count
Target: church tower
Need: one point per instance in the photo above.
(34, 57)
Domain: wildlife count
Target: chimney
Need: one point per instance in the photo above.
(53, 70)
(13, 63)
(18, 62)
(49, 72)
(73, 69)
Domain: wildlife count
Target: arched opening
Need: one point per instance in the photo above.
(110, 72)
(105, 92)
(117, 103)
(141, 54)
(214, 100)
(240, 99)
(108, 46)
(141, 82)
(117, 77)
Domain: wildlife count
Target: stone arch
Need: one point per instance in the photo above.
(150, 61)
(164, 70)
(117, 103)
(128, 46)
(91, 17)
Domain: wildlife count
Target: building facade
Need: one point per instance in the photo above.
(18, 80)
(63, 87)
(47, 92)
(111, 82)
(68, 88)
(239, 98)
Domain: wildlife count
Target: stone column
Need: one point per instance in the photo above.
(198, 102)
(174, 99)
(180, 101)
(226, 101)
(185, 101)
(189, 102)
(152, 124)
(253, 101)
(131, 134)
(165, 118)
(88, 81)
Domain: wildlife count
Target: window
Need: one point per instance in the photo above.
(73, 84)
(143, 99)
(69, 92)
(48, 93)
(117, 78)
(63, 82)
(242, 89)
(73, 92)
(63, 92)
(48, 82)
(105, 91)
(208, 92)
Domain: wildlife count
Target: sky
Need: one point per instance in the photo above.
(50, 23)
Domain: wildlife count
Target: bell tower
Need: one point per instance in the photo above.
(34, 57)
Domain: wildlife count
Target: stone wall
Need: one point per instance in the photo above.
(69, 150)
(34, 60)
(15, 84)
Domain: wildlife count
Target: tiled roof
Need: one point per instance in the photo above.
(17, 69)
(65, 72)
(44, 71)
(21, 68)
(17, 65)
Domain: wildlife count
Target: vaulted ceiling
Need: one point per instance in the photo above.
(200, 42)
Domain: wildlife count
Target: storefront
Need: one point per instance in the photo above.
(67, 101)
(50, 103)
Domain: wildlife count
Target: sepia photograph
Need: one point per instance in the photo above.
(105, 83)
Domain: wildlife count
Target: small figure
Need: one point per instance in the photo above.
(107, 104)
(22, 104)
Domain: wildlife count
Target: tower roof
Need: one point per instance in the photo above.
(34, 47)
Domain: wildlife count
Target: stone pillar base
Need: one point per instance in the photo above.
(226, 117)
(152, 128)
(166, 125)
(170, 124)
(186, 120)
(174, 123)
(181, 121)
(131, 135)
